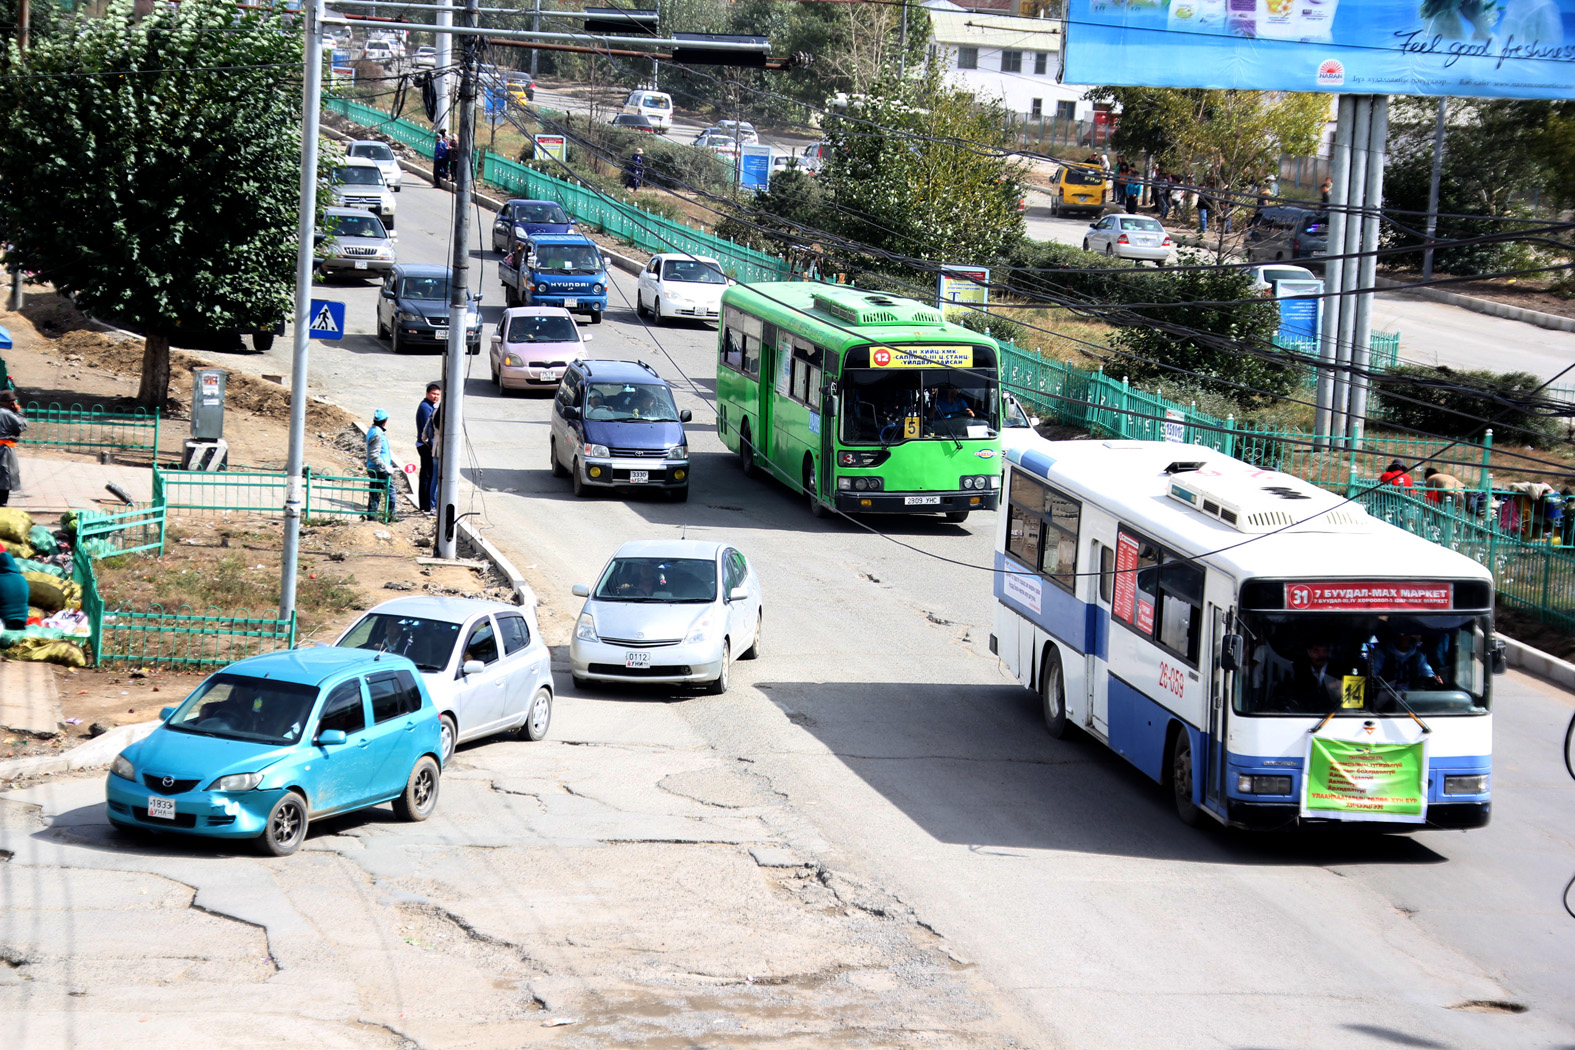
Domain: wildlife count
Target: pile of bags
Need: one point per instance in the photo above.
(54, 599)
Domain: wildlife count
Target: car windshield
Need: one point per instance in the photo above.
(1151, 225)
(1359, 664)
(363, 225)
(1082, 177)
(1013, 416)
(692, 271)
(630, 402)
(658, 580)
(544, 213)
(239, 707)
(428, 643)
(571, 258)
(435, 288)
(358, 176)
(538, 328)
(372, 151)
(889, 405)
(1288, 275)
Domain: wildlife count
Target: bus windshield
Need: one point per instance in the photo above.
(1361, 664)
(946, 403)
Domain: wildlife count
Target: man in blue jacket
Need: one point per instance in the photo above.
(379, 467)
(426, 483)
(13, 593)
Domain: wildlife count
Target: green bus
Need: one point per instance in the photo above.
(866, 402)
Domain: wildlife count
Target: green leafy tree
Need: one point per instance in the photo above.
(151, 169)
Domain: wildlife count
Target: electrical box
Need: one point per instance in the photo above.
(207, 403)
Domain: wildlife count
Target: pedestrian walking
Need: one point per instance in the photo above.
(453, 156)
(12, 424)
(426, 480)
(1162, 185)
(1326, 189)
(1205, 202)
(380, 468)
(440, 157)
(634, 175)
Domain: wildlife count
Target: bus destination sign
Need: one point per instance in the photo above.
(922, 357)
(1368, 595)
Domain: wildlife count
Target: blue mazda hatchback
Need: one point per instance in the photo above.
(270, 743)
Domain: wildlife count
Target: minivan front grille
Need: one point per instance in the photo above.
(640, 453)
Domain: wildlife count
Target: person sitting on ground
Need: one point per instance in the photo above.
(1396, 475)
(1441, 484)
(13, 593)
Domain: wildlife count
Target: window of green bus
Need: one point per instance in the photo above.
(945, 403)
(741, 342)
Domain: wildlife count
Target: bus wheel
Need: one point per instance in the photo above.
(1052, 694)
(746, 452)
(816, 508)
(1181, 777)
(956, 517)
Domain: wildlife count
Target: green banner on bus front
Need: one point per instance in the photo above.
(922, 357)
(1357, 780)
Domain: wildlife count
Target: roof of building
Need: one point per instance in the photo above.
(971, 29)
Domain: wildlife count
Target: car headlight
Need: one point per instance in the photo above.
(236, 782)
(595, 450)
(409, 317)
(521, 232)
(597, 289)
(1259, 784)
(699, 631)
(122, 768)
(512, 360)
(585, 630)
(678, 452)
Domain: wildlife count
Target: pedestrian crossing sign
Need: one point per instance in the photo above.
(327, 320)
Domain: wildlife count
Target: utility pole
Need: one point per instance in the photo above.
(458, 299)
(535, 27)
(305, 247)
(1432, 189)
(656, 67)
(22, 20)
(445, 58)
(902, 42)
(15, 302)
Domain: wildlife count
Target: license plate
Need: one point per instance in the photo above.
(163, 808)
(360, 264)
(440, 333)
(921, 501)
(570, 304)
(629, 660)
(639, 477)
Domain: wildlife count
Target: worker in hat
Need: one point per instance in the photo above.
(380, 467)
(12, 424)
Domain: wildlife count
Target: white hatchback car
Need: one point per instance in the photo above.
(680, 286)
(484, 663)
(1135, 237)
(671, 612)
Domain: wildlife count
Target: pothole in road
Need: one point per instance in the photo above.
(1490, 1006)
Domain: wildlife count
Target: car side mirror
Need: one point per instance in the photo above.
(579, 590)
(388, 293)
(684, 415)
(470, 667)
(393, 235)
(1498, 656)
(586, 338)
(738, 594)
(165, 712)
(331, 738)
(1034, 421)
(1230, 652)
(570, 412)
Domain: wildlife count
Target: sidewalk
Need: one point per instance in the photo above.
(75, 483)
(29, 701)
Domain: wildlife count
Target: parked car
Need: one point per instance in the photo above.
(743, 134)
(1266, 278)
(676, 612)
(812, 157)
(484, 664)
(267, 745)
(426, 57)
(1079, 187)
(533, 346)
(521, 219)
(413, 310)
(655, 106)
(1283, 232)
(377, 52)
(360, 184)
(739, 127)
(614, 425)
(1135, 237)
(353, 242)
(718, 142)
(379, 153)
(674, 285)
(634, 122)
(522, 86)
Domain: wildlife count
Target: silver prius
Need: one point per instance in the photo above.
(670, 612)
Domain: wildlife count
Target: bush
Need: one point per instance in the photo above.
(1441, 400)
(996, 326)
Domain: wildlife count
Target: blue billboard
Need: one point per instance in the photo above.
(1490, 48)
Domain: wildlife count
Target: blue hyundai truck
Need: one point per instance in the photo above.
(556, 269)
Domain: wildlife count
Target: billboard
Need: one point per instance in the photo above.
(1489, 48)
(755, 166)
(963, 284)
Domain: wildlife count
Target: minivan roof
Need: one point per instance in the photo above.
(614, 370)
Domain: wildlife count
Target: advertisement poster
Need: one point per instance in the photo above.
(1485, 48)
(1126, 577)
(1366, 595)
(1299, 317)
(1358, 780)
(754, 167)
(963, 284)
(554, 146)
(959, 356)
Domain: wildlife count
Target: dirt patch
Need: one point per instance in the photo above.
(1523, 627)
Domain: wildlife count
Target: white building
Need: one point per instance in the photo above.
(1015, 60)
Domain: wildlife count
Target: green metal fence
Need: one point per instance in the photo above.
(134, 531)
(185, 637)
(93, 427)
(263, 492)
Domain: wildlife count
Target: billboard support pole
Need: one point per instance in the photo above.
(1329, 337)
(1432, 189)
(1349, 245)
(1372, 212)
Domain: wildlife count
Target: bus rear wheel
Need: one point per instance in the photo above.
(1052, 694)
(746, 452)
(1181, 778)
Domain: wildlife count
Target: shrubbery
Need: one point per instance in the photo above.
(1442, 400)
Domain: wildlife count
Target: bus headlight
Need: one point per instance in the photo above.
(1258, 784)
(860, 484)
(1474, 784)
(977, 483)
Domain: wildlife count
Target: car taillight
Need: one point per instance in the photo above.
(1122, 239)
(1166, 243)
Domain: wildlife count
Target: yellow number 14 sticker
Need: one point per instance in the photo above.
(1353, 691)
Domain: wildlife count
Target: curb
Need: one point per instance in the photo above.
(1542, 665)
(99, 751)
(1552, 322)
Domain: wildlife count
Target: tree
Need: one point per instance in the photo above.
(163, 153)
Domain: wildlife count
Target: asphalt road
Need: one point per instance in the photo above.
(893, 750)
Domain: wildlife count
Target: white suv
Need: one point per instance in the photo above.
(360, 184)
(379, 153)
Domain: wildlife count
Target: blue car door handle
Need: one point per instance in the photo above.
(410, 727)
(361, 744)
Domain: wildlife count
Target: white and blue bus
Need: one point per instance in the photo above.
(1262, 647)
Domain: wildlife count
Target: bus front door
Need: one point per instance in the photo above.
(1219, 709)
(827, 422)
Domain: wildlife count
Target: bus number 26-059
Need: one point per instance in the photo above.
(1172, 678)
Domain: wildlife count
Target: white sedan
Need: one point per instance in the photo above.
(1135, 237)
(671, 612)
(681, 286)
(484, 663)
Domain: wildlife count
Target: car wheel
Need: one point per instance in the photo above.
(1181, 778)
(1052, 694)
(382, 330)
(1055, 208)
(639, 305)
(596, 317)
(753, 652)
(285, 829)
(396, 344)
(746, 452)
(657, 317)
(581, 683)
(447, 735)
(816, 508)
(420, 796)
(577, 480)
(472, 349)
(552, 454)
(718, 685)
(539, 717)
(388, 223)
(956, 517)
(1086, 247)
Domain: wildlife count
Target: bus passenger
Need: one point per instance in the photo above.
(1401, 663)
(1313, 686)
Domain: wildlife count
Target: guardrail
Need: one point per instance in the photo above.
(79, 426)
(263, 492)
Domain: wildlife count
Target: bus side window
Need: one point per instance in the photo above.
(1181, 607)
(1107, 572)
(733, 349)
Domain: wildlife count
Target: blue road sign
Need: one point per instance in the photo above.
(327, 320)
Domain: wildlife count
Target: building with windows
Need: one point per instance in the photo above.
(1007, 57)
